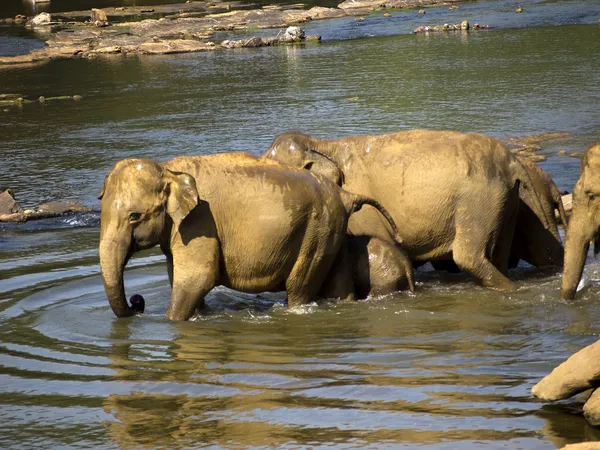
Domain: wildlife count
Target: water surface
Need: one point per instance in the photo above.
(449, 367)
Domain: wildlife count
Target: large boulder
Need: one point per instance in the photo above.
(41, 20)
(8, 204)
(577, 374)
(293, 34)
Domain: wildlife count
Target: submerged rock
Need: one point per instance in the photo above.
(11, 211)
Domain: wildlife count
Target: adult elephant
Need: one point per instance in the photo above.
(454, 195)
(228, 219)
(584, 225)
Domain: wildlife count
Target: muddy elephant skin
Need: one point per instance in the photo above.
(584, 225)
(227, 219)
(533, 242)
(453, 195)
(379, 267)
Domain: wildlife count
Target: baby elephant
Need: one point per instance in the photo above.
(229, 219)
(378, 266)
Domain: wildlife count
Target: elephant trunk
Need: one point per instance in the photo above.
(576, 249)
(113, 258)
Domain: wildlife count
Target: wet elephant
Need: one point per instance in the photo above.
(534, 242)
(584, 225)
(379, 267)
(453, 195)
(228, 219)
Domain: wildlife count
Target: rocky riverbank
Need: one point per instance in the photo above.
(179, 28)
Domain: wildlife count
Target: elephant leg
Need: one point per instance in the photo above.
(339, 282)
(195, 273)
(504, 242)
(307, 275)
(476, 233)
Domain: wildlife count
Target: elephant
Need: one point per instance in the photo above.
(584, 225)
(532, 242)
(455, 195)
(229, 219)
(379, 267)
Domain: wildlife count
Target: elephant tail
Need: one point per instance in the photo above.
(354, 202)
(559, 204)
(410, 277)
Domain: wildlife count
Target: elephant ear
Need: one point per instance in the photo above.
(182, 195)
(103, 189)
(326, 167)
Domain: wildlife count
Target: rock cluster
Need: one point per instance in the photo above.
(463, 26)
(179, 28)
(11, 210)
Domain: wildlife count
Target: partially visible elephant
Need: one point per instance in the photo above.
(229, 219)
(535, 242)
(584, 225)
(454, 195)
(379, 267)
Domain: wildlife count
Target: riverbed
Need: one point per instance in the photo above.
(448, 367)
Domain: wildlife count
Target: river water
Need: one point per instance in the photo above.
(449, 367)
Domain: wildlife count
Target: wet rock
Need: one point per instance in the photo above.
(42, 19)
(8, 204)
(61, 207)
(576, 154)
(293, 34)
(387, 14)
(20, 19)
(253, 42)
(463, 26)
(99, 18)
(577, 374)
(591, 409)
(453, 7)
(45, 211)
(519, 10)
(562, 152)
(421, 11)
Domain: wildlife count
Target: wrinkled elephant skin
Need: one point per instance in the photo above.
(453, 195)
(228, 219)
(584, 225)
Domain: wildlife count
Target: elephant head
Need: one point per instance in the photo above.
(536, 239)
(141, 203)
(584, 225)
(300, 150)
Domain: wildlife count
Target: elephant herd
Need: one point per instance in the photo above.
(344, 218)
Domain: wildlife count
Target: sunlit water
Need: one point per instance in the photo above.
(449, 367)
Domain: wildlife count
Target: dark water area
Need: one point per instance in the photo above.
(448, 367)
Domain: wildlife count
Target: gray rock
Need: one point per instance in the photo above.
(42, 19)
(293, 34)
(8, 204)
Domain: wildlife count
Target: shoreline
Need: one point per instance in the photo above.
(182, 28)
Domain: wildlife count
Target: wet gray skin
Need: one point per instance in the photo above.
(450, 367)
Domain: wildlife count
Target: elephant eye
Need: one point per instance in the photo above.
(134, 216)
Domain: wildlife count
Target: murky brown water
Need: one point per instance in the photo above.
(450, 367)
